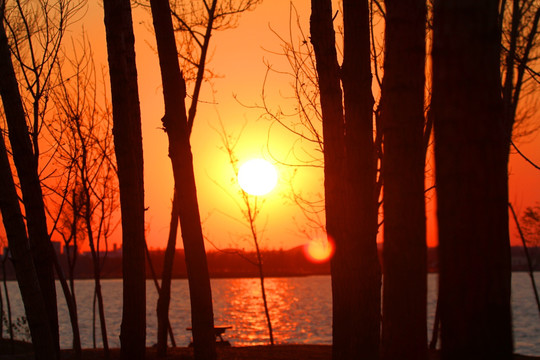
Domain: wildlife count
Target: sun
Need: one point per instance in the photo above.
(257, 177)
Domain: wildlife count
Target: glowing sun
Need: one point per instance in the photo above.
(257, 177)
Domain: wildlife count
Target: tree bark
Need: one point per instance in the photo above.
(35, 308)
(129, 156)
(27, 171)
(358, 257)
(404, 331)
(97, 281)
(328, 70)
(471, 156)
(176, 126)
(350, 178)
(165, 290)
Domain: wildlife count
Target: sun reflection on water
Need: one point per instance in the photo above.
(290, 311)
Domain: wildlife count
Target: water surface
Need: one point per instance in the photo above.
(300, 310)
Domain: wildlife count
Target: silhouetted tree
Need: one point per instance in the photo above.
(164, 298)
(35, 35)
(85, 144)
(35, 308)
(471, 156)
(404, 332)
(250, 208)
(350, 171)
(129, 157)
(359, 253)
(530, 223)
(175, 122)
(194, 22)
(71, 230)
(519, 20)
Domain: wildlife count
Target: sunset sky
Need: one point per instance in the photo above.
(238, 58)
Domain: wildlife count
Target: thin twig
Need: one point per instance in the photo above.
(523, 156)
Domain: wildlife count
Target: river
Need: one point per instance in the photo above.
(300, 310)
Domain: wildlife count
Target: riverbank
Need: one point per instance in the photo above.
(23, 351)
(228, 264)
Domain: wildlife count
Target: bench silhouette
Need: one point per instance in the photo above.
(218, 332)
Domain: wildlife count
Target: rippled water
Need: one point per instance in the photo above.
(300, 309)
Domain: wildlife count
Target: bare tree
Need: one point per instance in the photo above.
(176, 125)
(129, 156)
(402, 117)
(340, 97)
(30, 184)
(530, 223)
(35, 31)
(471, 155)
(68, 289)
(36, 311)
(195, 22)
(304, 121)
(350, 170)
(166, 278)
(250, 207)
(71, 228)
(85, 143)
(518, 21)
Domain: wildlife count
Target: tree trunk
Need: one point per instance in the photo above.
(350, 174)
(260, 268)
(97, 287)
(27, 171)
(35, 308)
(175, 124)
(68, 286)
(129, 157)
(94, 248)
(71, 305)
(358, 258)
(471, 155)
(404, 332)
(165, 291)
(323, 40)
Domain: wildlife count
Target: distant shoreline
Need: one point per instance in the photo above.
(228, 264)
(238, 276)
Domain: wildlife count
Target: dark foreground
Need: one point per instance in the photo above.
(23, 351)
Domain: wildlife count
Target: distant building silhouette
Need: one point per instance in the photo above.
(116, 251)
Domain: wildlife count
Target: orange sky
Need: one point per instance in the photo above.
(237, 57)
